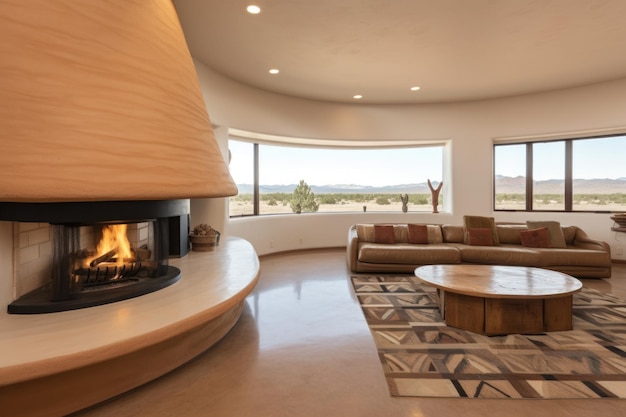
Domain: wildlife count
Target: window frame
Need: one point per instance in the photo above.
(256, 197)
(568, 183)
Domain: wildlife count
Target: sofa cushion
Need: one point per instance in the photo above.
(452, 233)
(557, 239)
(365, 232)
(535, 238)
(480, 222)
(569, 233)
(499, 255)
(573, 257)
(509, 233)
(384, 234)
(433, 232)
(408, 254)
(478, 236)
(418, 233)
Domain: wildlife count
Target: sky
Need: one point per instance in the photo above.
(597, 158)
(373, 167)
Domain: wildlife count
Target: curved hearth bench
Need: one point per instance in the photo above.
(57, 363)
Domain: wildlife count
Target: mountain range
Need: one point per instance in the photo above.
(503, 185)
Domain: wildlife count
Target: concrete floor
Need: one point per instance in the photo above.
(302, 348)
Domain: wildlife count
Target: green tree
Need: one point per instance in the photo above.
(303, 199)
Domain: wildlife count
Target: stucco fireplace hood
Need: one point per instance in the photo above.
(100, 102)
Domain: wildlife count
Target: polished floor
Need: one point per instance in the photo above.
(302, 348)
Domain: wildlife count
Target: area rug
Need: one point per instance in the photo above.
(422, 357)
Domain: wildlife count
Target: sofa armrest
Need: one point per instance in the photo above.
(582, 240)
(352, 248)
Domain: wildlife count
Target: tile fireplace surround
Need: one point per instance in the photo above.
(116, 347)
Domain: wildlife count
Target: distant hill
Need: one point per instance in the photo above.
(592, 186)
(341, 188)
(503, 184)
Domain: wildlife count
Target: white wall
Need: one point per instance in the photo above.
(471, 126)
(212, 211)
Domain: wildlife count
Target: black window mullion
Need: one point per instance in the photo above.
(529, 177)
(569, 180)
(255, 194)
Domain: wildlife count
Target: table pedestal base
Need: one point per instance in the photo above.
(493, 316)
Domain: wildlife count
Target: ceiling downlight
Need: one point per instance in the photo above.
(253, 9)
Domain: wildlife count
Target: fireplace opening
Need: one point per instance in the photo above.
(98, 258)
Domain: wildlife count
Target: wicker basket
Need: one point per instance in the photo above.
(204, 243)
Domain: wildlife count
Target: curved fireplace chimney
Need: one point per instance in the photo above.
(101, 102)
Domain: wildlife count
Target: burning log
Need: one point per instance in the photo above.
(103, 258)
(141, 254)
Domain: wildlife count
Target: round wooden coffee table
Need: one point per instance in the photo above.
(494, 300)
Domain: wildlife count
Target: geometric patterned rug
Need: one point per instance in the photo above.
(422, 357)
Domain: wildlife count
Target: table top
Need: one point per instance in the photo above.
(495, 281)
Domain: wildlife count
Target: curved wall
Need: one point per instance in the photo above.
(471, 128)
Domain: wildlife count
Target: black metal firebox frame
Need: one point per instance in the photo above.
(170, 222)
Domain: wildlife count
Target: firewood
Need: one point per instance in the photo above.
(103, 258)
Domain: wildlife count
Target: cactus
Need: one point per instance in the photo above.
(405, 202)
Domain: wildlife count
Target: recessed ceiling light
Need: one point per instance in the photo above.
(274, 71)
(357, 97)
(415, 88)
(253, 9)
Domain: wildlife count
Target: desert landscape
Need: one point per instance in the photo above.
(242, 205)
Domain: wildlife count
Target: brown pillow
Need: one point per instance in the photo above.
(480, 222)
(557, 240)
(383, 234)
(479, 236)
(535, 238)
(418, 233)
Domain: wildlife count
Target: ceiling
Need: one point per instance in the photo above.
(455, 50)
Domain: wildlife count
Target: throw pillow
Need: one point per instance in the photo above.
(418, 233)
(557, 240)
(480, 236)
(365, 232)
(383, 234)
(535, 238)
(480, 222)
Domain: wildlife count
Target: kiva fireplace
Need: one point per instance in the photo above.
(103, 252)
(104, 128)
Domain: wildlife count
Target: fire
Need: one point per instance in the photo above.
(114, 239)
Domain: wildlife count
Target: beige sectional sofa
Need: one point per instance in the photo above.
(580, 256)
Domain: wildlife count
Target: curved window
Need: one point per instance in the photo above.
(277, 179)
(561, 175)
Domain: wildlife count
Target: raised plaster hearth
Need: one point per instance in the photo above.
(52, 356)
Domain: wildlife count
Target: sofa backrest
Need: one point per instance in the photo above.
(366, 233)
(448, 233)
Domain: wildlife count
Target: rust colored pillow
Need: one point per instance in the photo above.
(555, 233)
(418, 233)
(383, 234)
(480, 237)
(535, 238)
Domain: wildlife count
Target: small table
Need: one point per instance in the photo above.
(493, 300)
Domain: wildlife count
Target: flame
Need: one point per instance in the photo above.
(114, 238)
